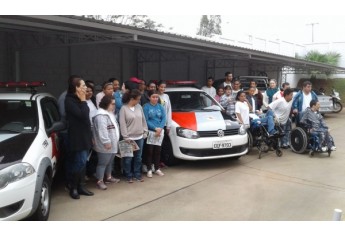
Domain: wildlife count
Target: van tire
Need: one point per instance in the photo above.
(43, 208)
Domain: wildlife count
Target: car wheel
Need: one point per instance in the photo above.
(43, 208)
(298, 140)
(167, 154)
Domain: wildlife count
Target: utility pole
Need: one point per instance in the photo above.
(312, 31)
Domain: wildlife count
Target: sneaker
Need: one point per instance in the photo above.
(139, 179)
(112, 180)
(159, 172)
(324, 149)
(101, 185)
(333, 148)
(144, 168)
(130, 181)
(149, 174)
(273, 133)
(153, 168)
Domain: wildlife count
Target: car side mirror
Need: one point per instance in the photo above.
(57, 126)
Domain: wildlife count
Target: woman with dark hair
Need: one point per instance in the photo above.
(165, 101)
(90, 103)
(133, 127)
(106, 137)
(79, 134)
(91, 84)
(155, 118)
(242, 108)
(107, 89)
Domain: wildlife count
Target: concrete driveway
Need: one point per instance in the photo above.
(293, 187)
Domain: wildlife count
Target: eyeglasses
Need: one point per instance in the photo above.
(113, 104)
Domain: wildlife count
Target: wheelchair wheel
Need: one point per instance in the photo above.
(311, 153)
(279, 152)
(250, 141)
(298, 140)
(260, 154)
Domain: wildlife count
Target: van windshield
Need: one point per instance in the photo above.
(17, 116)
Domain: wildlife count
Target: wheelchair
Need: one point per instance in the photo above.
(302, 140)
(259, 137)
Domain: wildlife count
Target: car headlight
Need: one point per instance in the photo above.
(187, 133)
(14, 173)
(242, 130)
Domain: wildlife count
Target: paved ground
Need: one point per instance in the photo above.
(291, 187)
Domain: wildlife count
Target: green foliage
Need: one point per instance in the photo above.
(331, 58)
(210, 26)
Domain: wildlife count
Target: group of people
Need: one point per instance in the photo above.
(98, 123)
(272, 106)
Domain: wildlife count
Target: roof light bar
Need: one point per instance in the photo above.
(22, 84)
(181, 82)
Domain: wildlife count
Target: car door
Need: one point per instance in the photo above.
(50, 113)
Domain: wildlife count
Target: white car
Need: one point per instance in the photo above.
(29, 151)
(200, 129)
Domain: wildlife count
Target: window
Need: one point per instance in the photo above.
(50, 112)
(18, 115)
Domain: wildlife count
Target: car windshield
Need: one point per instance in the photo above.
(191, 101)
(17, 116)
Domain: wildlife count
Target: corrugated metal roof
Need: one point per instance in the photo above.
(140, 37)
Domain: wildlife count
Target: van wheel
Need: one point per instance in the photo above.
(43, 208)
(167, 154)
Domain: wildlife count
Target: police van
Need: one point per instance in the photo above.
(29, 150)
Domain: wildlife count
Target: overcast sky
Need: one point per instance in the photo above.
(272, 19)
(292, 28)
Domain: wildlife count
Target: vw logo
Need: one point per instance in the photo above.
(220, 133)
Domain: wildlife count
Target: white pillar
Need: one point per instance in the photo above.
(337, 214)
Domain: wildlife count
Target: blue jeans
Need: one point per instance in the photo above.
(79, 159)
(136, 159)
(286, 129)
(267, 120)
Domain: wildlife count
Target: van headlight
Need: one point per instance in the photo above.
(242, 130)
(187, 133)
(14, 173)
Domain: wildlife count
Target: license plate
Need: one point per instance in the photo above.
(222, 144)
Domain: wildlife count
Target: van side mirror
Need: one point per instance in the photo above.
(57, 126)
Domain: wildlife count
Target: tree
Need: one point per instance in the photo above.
(331, 58)
(210, 26)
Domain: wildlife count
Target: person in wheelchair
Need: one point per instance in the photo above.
(256, 115)
(281, 109)
(313, 119)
